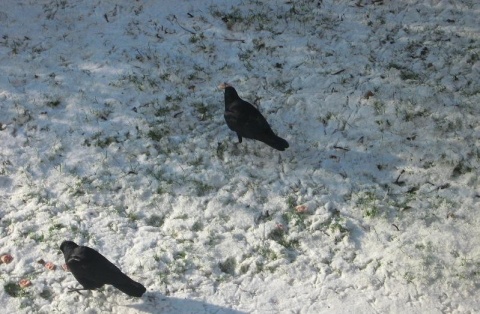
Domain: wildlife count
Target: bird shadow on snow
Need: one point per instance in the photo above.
(158, 303)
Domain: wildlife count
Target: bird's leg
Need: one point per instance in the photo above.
(239, 138)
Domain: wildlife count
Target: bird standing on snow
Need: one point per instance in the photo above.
(92, 270)
(243, 118)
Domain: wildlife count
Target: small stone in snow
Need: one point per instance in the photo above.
(6, 258)
(24, 283)
(301, 209)
(50, 266)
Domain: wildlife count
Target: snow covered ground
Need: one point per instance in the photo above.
(112, 135)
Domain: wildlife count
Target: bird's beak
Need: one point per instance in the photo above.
(223, 85)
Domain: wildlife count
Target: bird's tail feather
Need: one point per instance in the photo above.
(276, 142)
(132, 288)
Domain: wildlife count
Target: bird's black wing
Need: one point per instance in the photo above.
(236, 115)
(254, 125)
(84, 268)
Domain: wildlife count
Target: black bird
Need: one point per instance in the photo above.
(243, 118)
(92, 270)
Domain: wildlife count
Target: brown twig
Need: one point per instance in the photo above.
(342, 148)
(184, 28)
(234, 39)
(398, 178)
(338, 72)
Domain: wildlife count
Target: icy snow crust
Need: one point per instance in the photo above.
(112, 135)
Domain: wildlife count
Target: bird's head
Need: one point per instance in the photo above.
(224, 85)
(230, 93)
(67, 246)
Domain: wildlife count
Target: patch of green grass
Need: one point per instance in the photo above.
(157, 133)
(469, 268)
(461, 168)
(231, 18)
(196, 38)
(202, 110)
(83, 233)
(395, 66)
(244, 268)
(409, 277)
(369, 203)
(372, 211)
(141, 81)
(379, 107)
(228, 266)
(51, 8)
(56, 226)
(46, 294)
(246, 57)
(197, 161)
(37, 237)
(132, 216)
(79, 187)
(162, 190)
(180, 255)
(259, 44)
(197, 226)
(405, 74)
(202, 188)
(220, 150)
(294, 218)
(214, 239)
(98, 140)
(279, 235)
(155, 221)
(102, 114)
(291, 202)
(267, 253)
(259, 266)
(163, 111)
(174, 98)
(182, 217)
(473, 58)
(338, 226)
(409, 75)
(410, 115)
(53, 103)
(14, 290)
